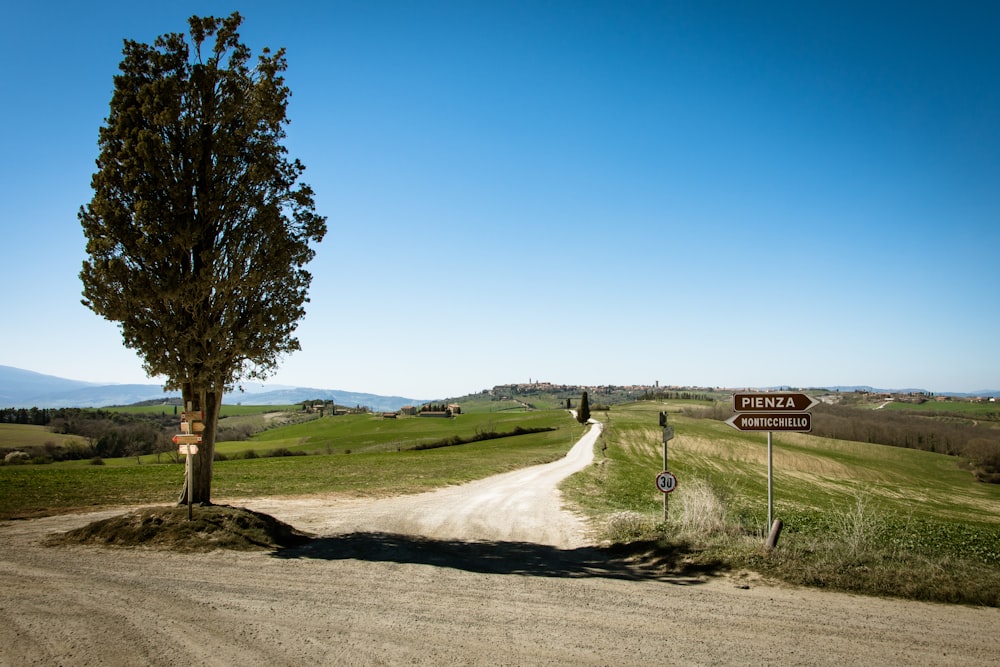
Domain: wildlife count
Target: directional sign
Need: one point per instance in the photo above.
(668, 433)
(666, 482)
(186, 439)
(187, 449)
(192, 422)
(771, 421)
(775, 401)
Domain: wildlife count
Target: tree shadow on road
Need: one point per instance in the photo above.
(646, 561)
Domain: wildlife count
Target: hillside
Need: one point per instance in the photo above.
(21, 388)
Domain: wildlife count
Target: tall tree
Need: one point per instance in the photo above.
(199, 228)
(583, 412)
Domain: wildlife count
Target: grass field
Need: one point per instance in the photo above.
(374, 466)
(857, 517)
(227, 410)
(14, 436)
(982, 410)
(365, 433)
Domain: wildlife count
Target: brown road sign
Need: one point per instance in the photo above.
(773, 401)
(771, 421)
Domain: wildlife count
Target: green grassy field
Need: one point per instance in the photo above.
(365, 433)
(380, 463)
(963, 408)
(857, 517)
(14, 436)
(227, 410)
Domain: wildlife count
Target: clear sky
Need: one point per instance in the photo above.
(622, 192)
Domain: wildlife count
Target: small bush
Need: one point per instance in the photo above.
(97, 461)
(857, 527)
(284, 451)
(702, 510)
(14, 458)
(628, 526)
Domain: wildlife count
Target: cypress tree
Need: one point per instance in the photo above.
(583, 414)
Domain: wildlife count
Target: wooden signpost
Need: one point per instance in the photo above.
(187, 441)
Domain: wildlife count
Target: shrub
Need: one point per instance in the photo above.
(16, 457)
(97, 461)
(284, 451)
(702, 510)
(628, 526)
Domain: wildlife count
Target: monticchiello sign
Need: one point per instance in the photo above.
(773, 402)
(771, 421)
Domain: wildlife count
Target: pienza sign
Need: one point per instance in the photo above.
(775, 411)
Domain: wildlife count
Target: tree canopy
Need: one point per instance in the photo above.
(199, 229)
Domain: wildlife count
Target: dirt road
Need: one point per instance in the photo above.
(489, 573)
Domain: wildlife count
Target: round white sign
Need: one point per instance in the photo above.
(666, 482)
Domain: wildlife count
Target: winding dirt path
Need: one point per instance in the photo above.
(488, 573)
(519, 506)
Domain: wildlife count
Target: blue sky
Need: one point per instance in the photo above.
(696, 193)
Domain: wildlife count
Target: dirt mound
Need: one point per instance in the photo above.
(211, 527)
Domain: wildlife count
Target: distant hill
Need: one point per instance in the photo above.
(25, 389)
(968, 394)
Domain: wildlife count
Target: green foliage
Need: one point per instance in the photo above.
(583, 412)
(479, 437)
(199, 230)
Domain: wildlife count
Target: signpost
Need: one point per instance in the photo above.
(666, 482)
(772, 411)
(187, 441)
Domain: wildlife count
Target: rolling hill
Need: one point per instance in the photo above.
(21, 388)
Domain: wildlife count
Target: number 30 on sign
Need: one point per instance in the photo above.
(666, 482)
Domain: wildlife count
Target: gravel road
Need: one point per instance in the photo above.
(488, 573)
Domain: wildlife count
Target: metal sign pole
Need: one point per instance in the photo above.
(770, 482)
(666, 496)
(665, 481)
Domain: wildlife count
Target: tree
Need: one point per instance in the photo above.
(583, 413)
(199, 229)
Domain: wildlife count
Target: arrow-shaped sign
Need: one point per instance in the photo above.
(186, 439)
(777, 401)
(771, 421)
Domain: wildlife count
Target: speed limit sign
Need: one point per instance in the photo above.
(666, 482)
